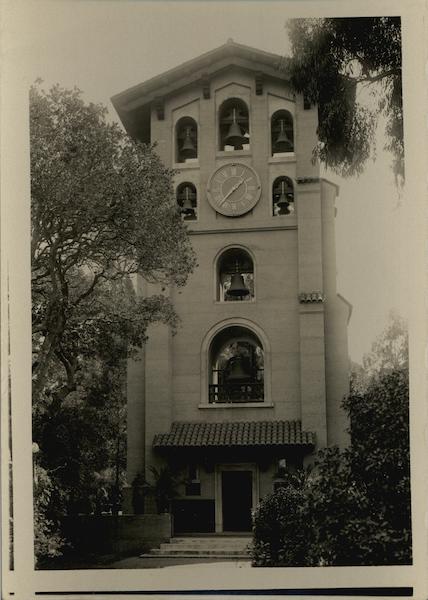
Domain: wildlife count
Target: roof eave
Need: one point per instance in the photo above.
(191, 72)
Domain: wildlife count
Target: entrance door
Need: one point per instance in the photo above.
(237, 500)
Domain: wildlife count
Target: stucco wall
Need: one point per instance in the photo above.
(306, 351)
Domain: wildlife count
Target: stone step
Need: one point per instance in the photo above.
(210, 543)
(223, 557)
(222, 547)
(179, 548)
(203, 540)
(173, 546)
(198, 553)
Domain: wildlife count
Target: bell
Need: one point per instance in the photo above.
(283, 205)
(237, 286)
(237, 372)
(188, 149)
(234, 136)
(283, 202)
(187, 206)
(187, 209)
(282, 143)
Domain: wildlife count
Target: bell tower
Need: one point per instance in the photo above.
(255, 376)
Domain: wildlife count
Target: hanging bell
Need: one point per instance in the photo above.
(237, 372)
(283, 205)
(234, 136)
(282, 143)
(287, 196)
(187, 208)
(237, 286)
(188, 149)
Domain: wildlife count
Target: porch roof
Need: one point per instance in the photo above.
(248, 433)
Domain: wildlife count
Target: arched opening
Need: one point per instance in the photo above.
(236, 367)
(186, 140)
(282, 196)
(235, 276)
(187, 201)
(282, 134)
(234, 125)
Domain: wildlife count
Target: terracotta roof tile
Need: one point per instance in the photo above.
(249, 433)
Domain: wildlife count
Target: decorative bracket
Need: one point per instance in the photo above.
(259, 83)
(309, 297)
(206, 91)
(160, 108)
(301, 180)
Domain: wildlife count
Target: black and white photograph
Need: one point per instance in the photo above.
(212, 298)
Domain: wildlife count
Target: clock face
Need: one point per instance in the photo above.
(233, 189)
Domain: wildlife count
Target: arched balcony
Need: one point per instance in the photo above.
(236, 359)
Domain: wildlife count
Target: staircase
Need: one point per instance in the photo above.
(222, 547)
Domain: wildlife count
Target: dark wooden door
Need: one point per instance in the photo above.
(237, 500)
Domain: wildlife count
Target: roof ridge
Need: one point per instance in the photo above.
(204, 60)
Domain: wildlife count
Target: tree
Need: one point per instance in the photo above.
(359, 499)
(390, 350)
(355, 503)
(332, 59)
(102, 211)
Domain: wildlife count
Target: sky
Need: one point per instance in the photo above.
(105, 46)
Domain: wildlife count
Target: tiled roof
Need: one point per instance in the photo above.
(257, 433)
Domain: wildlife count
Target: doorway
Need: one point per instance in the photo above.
(236, 500)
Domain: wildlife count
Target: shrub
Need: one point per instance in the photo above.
(281, 533)
(48, 542)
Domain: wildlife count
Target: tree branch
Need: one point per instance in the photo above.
(90, 289)
(373, 78)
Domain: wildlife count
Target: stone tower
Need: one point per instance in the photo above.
(252, 382)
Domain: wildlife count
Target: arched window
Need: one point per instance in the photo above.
(235, 276)
(187, 200)
(282, 196)
(282, 135)
(236, 367)
(186, 140)
(234, 125)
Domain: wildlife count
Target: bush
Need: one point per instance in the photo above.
(281, 533)
(48, 542)
(354, 507)
(349, 528)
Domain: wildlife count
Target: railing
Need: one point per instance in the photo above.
(234, 393)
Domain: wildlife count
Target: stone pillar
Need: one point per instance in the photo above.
(337, 313)
(158, 386)
(311, 311)
(305, 139)
(135, 398)
(207, 153)
(162, 134)
(135, 426)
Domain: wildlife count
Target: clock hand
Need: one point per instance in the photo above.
(235, 187)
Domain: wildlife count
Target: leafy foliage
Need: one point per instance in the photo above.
(353, 507)
(164, 487)
(332, 59)
(389, 351)
(48, 542)
(102, 209)
(281, 532)
(102, 212)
